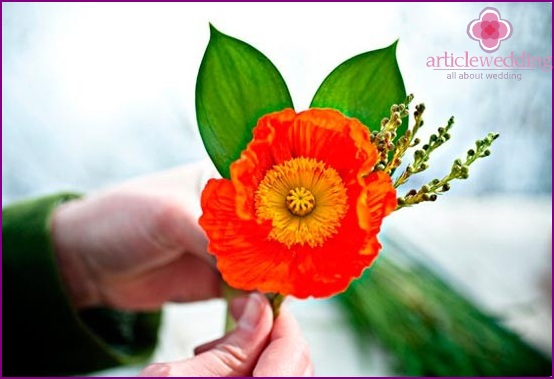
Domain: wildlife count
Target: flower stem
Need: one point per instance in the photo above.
(275, 299)
(229, 293)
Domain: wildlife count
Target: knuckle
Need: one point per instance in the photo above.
(167, 221)
(232, 357)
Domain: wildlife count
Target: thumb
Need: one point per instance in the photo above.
(235, 354)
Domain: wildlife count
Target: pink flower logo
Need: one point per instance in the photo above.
(489, 29)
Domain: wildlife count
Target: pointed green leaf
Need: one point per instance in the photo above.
(364, 87)
(236, 85)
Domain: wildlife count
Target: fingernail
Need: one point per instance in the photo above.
(252, 312)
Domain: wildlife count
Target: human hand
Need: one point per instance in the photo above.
(258, 346)
(138, 244)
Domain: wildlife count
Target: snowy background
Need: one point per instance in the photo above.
(93, 94)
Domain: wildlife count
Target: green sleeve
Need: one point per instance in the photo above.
(43, 335)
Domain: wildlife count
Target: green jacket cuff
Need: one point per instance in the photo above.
(42, 333)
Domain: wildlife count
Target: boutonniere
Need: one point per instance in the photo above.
(303, 193)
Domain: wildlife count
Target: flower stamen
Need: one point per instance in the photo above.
(300, 201)
(305, 201)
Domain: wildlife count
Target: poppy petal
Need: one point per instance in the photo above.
(290, 156)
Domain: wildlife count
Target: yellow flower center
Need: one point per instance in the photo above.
(304, 199)
(300, 201)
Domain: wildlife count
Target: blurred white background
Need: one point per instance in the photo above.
(93, 94)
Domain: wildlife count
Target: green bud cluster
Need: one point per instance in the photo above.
(421, 155)
(383, 140)
(459, 170)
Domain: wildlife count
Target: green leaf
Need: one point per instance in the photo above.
(364, 87)
(236, 85)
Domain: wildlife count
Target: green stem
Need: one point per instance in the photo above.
(229, 293)
(275, 299)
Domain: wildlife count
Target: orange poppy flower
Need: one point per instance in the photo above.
(302, 210)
